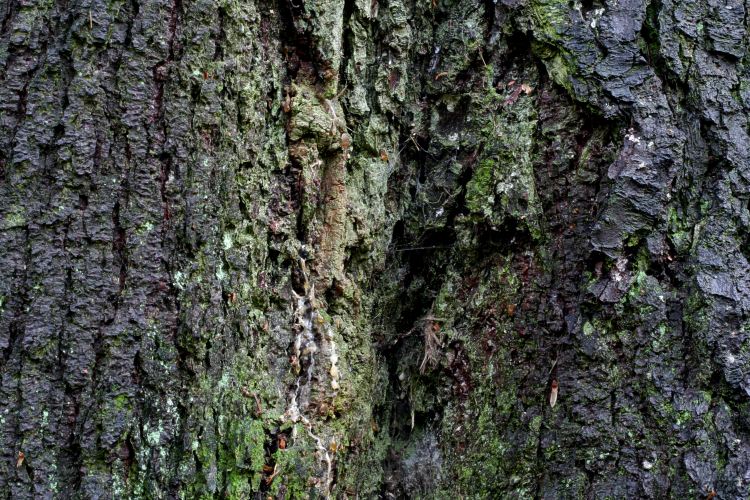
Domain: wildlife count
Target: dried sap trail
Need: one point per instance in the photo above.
(313, 387)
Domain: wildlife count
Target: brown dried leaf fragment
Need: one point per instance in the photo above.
(513, 96)
(431, 344)
(553, 394)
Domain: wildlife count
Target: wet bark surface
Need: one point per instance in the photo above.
(370, 248)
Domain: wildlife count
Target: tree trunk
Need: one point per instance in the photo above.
(362, 248)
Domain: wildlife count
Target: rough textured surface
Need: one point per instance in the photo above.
(374, 248)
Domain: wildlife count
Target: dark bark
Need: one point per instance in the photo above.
(374, 248)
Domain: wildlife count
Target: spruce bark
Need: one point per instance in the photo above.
(374, 248)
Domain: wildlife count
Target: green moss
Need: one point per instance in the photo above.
(122, 401)
(14, 218)
(588, 329)
(560, 69)
(550, 17)
(294, 471)
(503, 186)
(480, 196)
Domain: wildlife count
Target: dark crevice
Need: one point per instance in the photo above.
(11, 7)
(650, 45)
(347, 48)
(220, 36)
(119, 248)
(299, 48)
(17, 324)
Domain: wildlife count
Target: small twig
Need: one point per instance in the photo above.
(258, 407)
(276, 471)
(409, 249)
(431, 342)
(415, 142)
(482, 58)
(552, 368)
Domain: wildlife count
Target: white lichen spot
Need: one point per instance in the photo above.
(632, 137)
(220, 273)
(595, 16)
(333, 359)
(228, 242)
(178, 280)
(154, 437)
(621, 265)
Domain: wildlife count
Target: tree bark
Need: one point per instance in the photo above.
(374, 248)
